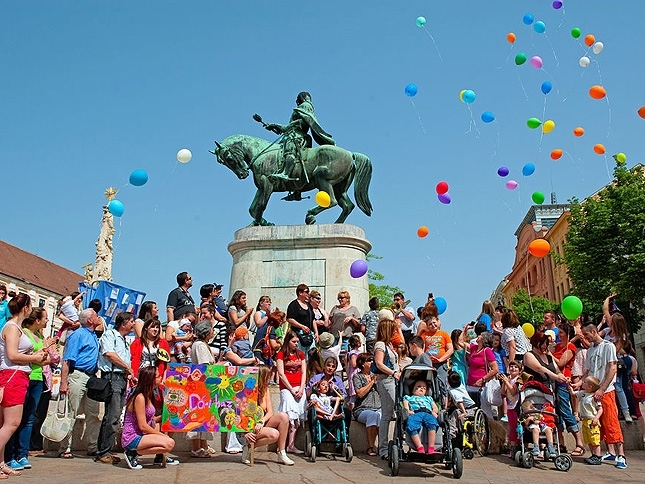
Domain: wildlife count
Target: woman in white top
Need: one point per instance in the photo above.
(16, 358)
(238, 313)
(321, 317)
(514, 341)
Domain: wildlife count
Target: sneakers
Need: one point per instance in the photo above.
(620, 462)
(551, 450)
(24, 462)
(246, 451)
(594, 460)
(295, 450)
(108, 459)
(283, 458)
(131, 459)
(504, 418)
(169, 460)
(15, 465)
(536, 450)
(608, 457)
(628, 417)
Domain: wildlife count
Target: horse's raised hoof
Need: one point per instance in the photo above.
(310, 219)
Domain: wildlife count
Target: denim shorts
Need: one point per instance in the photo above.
(134, 445)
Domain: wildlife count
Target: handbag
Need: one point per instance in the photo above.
(306, 339)
(492, 389)
(57, 425)
(638, 389)
(99, 389)
(386, 361)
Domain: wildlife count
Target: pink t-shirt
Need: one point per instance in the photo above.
(477, 363)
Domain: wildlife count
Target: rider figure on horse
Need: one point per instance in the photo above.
(296, 137)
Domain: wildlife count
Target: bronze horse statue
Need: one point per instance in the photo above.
(327, 168)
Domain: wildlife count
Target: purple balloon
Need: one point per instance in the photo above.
(503, 171)
(536, 61)
(511, 184)
(444, 198)
(358, 268)
(557, 4)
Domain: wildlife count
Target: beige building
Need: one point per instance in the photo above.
(44, 281)
(557, 236)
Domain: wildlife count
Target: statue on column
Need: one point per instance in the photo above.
(102, 270)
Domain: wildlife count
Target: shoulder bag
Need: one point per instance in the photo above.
(58, 425)
(492, 389)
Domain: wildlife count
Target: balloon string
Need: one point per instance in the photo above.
(557, 62)
(562, 19)
(435, 44)
(607, 167)
(522, 86)
(510, 52)
(528, 289)
(472, 123)
(418, 116)
(582, 73)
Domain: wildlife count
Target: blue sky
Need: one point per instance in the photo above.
(91, 91)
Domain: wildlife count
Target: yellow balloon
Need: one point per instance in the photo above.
(621, 157)
(461, 95)
(548, 126)
(528, 329)
(322, 199)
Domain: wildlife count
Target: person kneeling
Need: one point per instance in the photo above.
(423, 412)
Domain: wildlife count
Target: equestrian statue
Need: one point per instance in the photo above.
(291, 164)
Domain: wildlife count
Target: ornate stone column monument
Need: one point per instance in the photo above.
(102, 270)
(274, 260)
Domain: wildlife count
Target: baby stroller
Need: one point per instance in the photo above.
(539, 395)
(332, 434)
(449, 456)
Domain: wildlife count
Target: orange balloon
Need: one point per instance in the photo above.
(641, 112)
(599, 149)
(556, 154)
(423, 231)
(578, 131)
(539, 248)
(597, 92)
(511, 37)
(590, 40)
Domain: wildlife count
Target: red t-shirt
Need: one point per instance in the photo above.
(559, 351)
(292, 368)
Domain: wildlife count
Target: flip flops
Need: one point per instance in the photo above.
(578, 452)
(372, 452)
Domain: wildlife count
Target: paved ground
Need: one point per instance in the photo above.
(225, 468)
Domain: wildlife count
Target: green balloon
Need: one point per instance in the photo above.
(571, 307)
(520, 59)
(538, 198)
(533, 123)
(575, 32)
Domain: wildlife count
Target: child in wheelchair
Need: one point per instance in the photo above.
(422, 414)
(460, 406)
(540, 421)
(327, 406)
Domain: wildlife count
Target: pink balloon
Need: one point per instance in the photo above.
(511, 184)
(536, 61)
(444, 198)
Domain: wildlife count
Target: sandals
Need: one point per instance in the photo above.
(210, 450)
(201, 454)
(8, 471)
(578, 452)
(66, 455)
(372, 452)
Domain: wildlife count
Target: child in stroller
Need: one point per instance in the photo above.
(327, 406)
(423, 413)
(540, 421)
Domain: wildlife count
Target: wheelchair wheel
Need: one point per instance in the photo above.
(313, 453)
(563, 462)
(518, 458)
(468, 454)
(394, 460)
(481, 432)
(457, 464)
(527, 460)
(349, 452)
(308, 443)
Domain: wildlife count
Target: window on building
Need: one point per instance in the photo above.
(41, 302)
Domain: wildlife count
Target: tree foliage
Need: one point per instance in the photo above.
(383, 292)
(605, 248)
(530, 309)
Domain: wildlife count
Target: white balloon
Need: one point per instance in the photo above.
(584, 61)
(184, 155)
(598, 47)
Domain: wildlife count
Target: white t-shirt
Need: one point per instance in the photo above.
(598, 357)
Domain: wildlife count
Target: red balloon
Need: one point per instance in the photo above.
(539, 248)
(442, 187)
(641, 112)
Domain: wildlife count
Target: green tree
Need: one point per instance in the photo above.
(530, 310)
(383, 292)
(605, 248)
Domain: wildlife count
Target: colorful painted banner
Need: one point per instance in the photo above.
(210, 398)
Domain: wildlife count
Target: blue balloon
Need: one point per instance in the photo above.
(138, 178)
(411, 90)
(528, 19)
(528, 169)
(115, 207)
(488, 117)
(539, 27)
(546, 87)
(503, 171)
(441, 304)
(468, 96)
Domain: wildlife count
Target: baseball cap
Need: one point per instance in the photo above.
(218, 285)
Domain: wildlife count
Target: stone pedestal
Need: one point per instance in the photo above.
(272, 261)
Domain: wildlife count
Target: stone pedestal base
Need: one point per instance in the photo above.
(272, 261)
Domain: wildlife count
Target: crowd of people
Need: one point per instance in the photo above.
(335, 365)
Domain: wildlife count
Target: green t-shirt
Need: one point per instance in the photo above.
(39, 343)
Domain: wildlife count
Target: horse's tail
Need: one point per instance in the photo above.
(362, 182)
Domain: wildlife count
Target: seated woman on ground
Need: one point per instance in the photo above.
(140, 433)
(367, 408)
(326, 405)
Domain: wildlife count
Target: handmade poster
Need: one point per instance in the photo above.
(210, 398)
(115, 299)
